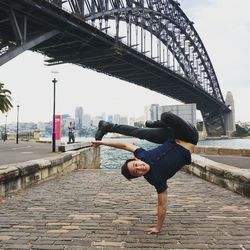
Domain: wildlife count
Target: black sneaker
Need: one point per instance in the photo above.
(102, 130)
(154, 124)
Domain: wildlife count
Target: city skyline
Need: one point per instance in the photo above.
(30, 80)
(86, 124)
(104, 115)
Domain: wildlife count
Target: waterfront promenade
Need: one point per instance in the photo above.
(99, 209)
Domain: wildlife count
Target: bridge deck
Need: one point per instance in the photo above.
(91, 209)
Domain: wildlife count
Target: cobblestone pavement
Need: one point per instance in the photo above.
(99, 209)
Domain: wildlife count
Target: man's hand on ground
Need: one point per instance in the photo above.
(152, 230)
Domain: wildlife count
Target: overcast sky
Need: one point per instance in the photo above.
(224, 27)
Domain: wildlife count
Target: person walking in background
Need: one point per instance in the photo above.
(178, 139)
(71, 133)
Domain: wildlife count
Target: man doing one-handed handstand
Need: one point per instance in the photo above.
(177, 138)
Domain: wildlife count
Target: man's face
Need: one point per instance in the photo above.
(138, 168)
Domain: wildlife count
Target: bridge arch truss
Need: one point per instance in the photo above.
(160, 30)
(179, 46)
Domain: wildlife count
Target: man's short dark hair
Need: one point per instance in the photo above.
(125, 172)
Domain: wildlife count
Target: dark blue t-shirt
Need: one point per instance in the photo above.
(164, 161)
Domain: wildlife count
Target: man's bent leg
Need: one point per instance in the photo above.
(183, 130)
(155, 135)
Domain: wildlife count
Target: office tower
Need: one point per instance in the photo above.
(110, 118)
(147, 114)
(104, 116)
(116, 118)
(86, 120)
(131, 121)
(124, 120)
(78, 117)
(95, 120)
(186, 111)
(154, 112)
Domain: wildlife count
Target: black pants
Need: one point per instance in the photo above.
(71, 137)
(173, 127)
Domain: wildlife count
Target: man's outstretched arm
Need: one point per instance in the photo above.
(161, 213)
(116, 144)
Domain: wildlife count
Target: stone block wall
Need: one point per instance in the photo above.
(232, 178)
(14, 177)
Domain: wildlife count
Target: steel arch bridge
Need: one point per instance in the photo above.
(151, 43)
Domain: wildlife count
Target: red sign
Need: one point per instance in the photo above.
(58, 119)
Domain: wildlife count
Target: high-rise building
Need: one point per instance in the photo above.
(154, 112)
(110, 118)
(131, 121)
(78, 117)
(104, 116)
(186, 111)
(147, 114)
(95, 120)
(124, 120)
(86, 120)
(116, 118)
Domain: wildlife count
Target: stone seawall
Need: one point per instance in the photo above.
(14, 177)
(222, 151)
(232, 178)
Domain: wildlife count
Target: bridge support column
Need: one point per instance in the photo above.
(230, 116)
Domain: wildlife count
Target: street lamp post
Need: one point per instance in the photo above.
(17, 124)
(5, 129)
(54, 116)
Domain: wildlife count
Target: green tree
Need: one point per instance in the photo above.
(199, 126)
(139, 124)
(5, 99)
(240, 131)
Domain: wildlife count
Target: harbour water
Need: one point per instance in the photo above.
(227, 143)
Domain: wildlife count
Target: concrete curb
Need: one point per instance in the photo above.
(232, 178)
(73, 146)
(14, 177)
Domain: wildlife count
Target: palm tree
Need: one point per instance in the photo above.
(5, 99)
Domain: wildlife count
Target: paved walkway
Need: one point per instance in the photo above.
(233, 160)
(99, 209)
(10, 152)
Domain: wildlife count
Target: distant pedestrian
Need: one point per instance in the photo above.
(71, 133)
(4, 136)
(178, 139)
